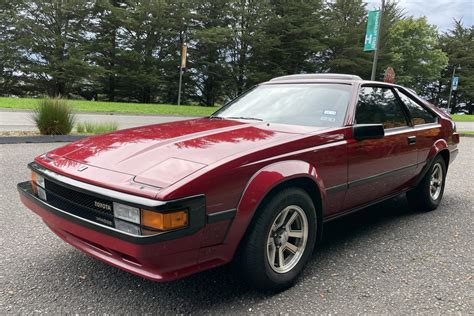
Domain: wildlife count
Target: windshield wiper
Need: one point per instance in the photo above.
(242, 118)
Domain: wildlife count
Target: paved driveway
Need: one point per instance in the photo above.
(465, 126)
(384, 259)
(21, 120)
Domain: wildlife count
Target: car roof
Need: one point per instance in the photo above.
(317, 77)
(329, 78)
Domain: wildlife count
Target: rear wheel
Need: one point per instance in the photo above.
(280, 241)
(429, 192)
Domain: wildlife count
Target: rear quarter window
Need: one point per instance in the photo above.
(419, 114)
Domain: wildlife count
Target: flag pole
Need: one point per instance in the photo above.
(376, 52)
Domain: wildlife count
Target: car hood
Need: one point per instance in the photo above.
(162, 154)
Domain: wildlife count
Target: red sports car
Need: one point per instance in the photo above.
(253, 183)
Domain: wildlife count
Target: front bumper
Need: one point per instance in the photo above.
(162, 257)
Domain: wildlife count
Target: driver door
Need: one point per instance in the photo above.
(380, 167)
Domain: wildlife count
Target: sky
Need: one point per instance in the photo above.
(438, 12)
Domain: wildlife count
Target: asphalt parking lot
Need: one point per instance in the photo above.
(384, 259)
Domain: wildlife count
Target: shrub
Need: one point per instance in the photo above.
(96, 128)
(54, 117)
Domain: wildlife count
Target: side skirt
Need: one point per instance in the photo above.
(358, 208)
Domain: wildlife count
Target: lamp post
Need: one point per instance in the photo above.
(451, 89)
(376, 52)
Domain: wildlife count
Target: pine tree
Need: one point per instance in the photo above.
(298, 29)
(210, 39)
(51, 35)
(10, 60)
(109, 16)
(458, 44)
(345, 23)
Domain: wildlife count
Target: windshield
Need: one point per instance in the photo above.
(296, 104)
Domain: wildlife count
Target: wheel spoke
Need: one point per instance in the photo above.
(295, 233)
(272, 251)
(291, 247)
(281, 219)
(281, 257)
(291, 220)
(271, 242)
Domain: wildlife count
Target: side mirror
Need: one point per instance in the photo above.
(368, 131)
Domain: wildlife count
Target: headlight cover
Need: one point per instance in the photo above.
(127, 213)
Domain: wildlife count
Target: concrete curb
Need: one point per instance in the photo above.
(40, 139)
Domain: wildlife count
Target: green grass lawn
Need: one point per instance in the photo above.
(463, 118)
(118, 107)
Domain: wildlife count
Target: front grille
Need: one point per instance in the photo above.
(79, 198)
(78, 203)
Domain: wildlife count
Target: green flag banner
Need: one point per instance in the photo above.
(371, 34)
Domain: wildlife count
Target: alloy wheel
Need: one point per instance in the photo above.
(287, 239)
(436, 181)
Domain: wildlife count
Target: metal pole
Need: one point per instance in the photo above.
(377, 45)
(179, 85)
(451, 89)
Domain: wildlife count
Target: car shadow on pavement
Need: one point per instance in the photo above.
(217, 288)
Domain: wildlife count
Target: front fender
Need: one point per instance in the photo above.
(260, 185)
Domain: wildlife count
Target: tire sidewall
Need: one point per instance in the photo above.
(280, 201)
(434, 203)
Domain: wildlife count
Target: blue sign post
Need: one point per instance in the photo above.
(455, 83)
(454, 86)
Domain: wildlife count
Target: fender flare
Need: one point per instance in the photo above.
(439, 146)
(262, 183)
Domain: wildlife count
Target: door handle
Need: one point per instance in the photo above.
(411, 140)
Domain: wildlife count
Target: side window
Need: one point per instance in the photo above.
(418, 114)
(379, 106)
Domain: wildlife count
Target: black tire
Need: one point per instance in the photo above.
(253, 258)
(421, 197)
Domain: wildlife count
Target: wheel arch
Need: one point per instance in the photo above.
(303, 182)
(267, 182)
(446, 156)
(440, 147)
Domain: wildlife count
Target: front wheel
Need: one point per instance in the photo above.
(280, 241)
(429, 192)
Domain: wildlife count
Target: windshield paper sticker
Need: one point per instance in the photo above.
(329, 119)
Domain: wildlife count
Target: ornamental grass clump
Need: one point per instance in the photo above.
(96, 128)
(54, 116)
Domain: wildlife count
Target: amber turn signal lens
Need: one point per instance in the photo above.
(165, 221)
(33, 182)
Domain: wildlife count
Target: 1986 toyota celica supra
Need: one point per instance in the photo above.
(252, 183)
